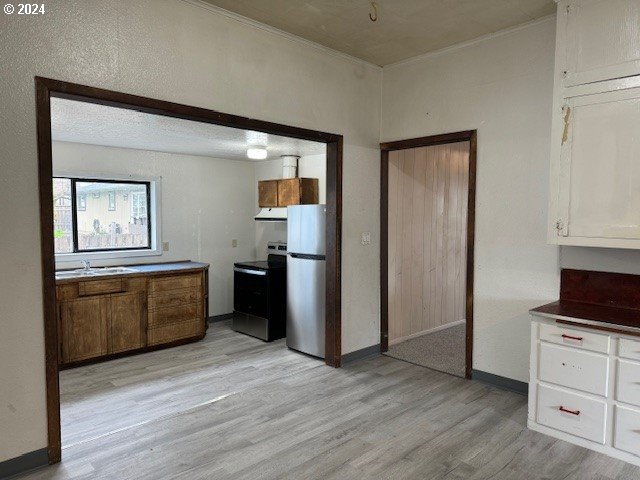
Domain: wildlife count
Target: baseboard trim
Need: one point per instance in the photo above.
(360, 354)
(220, 318)
(427, 332)
(24, 463)
(502, 382)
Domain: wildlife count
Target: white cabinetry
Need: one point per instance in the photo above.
(595, 172)
(584, 388)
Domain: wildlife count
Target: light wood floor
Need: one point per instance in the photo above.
(232, 407)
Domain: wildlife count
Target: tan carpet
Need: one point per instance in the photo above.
(443, 350)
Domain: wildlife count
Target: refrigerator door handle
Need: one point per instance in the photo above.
(307, 256)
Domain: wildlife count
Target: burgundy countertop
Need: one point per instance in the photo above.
(626, 317)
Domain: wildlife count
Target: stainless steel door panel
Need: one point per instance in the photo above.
(306, 305)
(306, 231)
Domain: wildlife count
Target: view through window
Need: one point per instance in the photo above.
(100, 215)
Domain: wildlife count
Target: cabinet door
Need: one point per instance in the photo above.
(84, 328)
(268, 193)
(297, 191)
(600, 38)
(127, 326)
(599, 186)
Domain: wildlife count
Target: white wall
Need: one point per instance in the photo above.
(503, 88)
(206, 202)
(180, 52)
(309, 166)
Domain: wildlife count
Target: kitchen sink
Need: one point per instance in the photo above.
(94, 272)
(114, 270)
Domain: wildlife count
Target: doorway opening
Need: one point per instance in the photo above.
(68, 195)
(427, 217)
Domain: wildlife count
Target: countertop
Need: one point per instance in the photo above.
(596, 316)
(146, 269)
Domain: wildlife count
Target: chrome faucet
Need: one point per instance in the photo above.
(86, 264)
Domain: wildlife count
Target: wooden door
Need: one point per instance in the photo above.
(128, 322)
(427, 225)
(84, 328)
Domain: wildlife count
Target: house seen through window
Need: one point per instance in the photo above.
(100, 215)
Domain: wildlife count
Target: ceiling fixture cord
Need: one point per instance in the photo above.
(373, 16)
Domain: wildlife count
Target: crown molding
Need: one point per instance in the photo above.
(289, 36)
(475, 41)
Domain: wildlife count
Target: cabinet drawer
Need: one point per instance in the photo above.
(175, 298)
(628, 385)
(629, 349)
(98, 287)
(572, 413)
(174, 282)
(570, 367)
(554, 333)
(175, 331)
(627, 431)
(165, 316)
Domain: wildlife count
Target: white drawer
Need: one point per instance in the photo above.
(572, 413)
(628, 384)
(554, 333)
(627, 432)
(570, 367)
(629, 349)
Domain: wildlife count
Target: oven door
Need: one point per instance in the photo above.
(250, 291)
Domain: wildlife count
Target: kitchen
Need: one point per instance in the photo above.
(166, 262)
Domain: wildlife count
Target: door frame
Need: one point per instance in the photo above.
(45, 88)
(470, 136)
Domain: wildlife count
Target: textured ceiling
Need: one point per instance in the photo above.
(81, 122)
(405, 28)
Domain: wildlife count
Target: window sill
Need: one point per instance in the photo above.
(91, 256)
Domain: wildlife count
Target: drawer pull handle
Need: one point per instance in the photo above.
(566, 410)
(570, 337)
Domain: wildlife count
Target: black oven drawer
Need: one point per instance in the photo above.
(250, 293)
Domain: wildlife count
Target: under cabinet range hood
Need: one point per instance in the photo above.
(272, 214)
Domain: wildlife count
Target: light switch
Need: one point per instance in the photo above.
(165, 246)
(366, 238)
(234, 242)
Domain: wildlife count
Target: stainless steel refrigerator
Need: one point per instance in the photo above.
(306, 278)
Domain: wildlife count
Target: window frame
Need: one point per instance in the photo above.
(153, 189)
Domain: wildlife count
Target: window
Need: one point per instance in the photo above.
(86, 218)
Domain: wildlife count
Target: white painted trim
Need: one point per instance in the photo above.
(289, 36)
(468, 43)
(156, 221)
(426, 332)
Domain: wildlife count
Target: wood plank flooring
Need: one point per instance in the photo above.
(232, 407)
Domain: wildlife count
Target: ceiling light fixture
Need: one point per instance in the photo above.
(257, 153)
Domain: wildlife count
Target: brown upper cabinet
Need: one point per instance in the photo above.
(288, 191)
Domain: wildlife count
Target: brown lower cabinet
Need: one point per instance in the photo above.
(101, 318)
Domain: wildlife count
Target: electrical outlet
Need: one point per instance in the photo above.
(165, 246)
(234, 242)
(366, 238)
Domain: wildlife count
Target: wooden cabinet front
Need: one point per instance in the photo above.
(84, 328)
(297, 191)
(288, 191)
(128, 326)
(268, 193)
(175, 308)
(98, 318)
